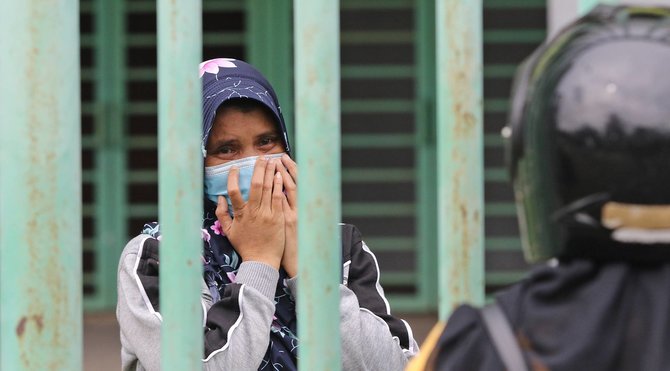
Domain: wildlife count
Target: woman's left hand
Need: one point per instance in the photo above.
(289, 171)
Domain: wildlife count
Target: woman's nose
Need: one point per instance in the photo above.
(250, 152)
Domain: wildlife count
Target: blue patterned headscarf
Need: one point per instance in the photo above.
(224, 79)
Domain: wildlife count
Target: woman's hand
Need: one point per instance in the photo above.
(289, 171)
(257, 231)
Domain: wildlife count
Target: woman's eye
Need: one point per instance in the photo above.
(224, 150)
(267, 141)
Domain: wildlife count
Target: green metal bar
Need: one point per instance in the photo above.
(460, 153)
(180, 179)
(426, 152)
(366, 175)
(391, 243)
(40, 186)
(407, 304)
(317, 82)
(378, 106)
(379, 209)
(378, 141)
(502, 243)
(377, 37)
(110, 185)
(376, 4)
(516, 36)
(379, 71)
(270, 49)
(209, 38)
(499, 174)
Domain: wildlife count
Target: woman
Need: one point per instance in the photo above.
(250, 249)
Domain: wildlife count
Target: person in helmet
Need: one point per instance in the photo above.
(250, 249)
(589, 155)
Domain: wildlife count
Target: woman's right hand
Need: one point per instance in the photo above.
(257, 229)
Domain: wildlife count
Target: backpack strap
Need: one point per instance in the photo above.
(502, 336)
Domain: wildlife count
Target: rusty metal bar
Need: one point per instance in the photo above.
(180, 179)
(317, 82)
(460, 165)
(40, 186)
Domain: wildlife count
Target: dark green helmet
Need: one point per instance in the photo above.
(589, 139)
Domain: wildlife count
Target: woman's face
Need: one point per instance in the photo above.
(237, 134)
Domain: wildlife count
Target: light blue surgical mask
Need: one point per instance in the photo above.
(216, 178)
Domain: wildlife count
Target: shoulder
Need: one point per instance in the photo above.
(138, 245)
(139, 255)
(142, 244)
(351, 238)
(350, 234)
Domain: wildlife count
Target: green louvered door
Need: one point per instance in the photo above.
(379, 137)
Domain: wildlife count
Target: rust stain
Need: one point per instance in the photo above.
(21, 327)
(460, 280)
(23, 322)
(39, 321)
(60, 316)
(461, 73)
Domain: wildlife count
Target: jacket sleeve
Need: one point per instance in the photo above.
(238, 324)
(372, 338)
(237, 331)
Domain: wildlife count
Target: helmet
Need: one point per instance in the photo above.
(588, 141)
